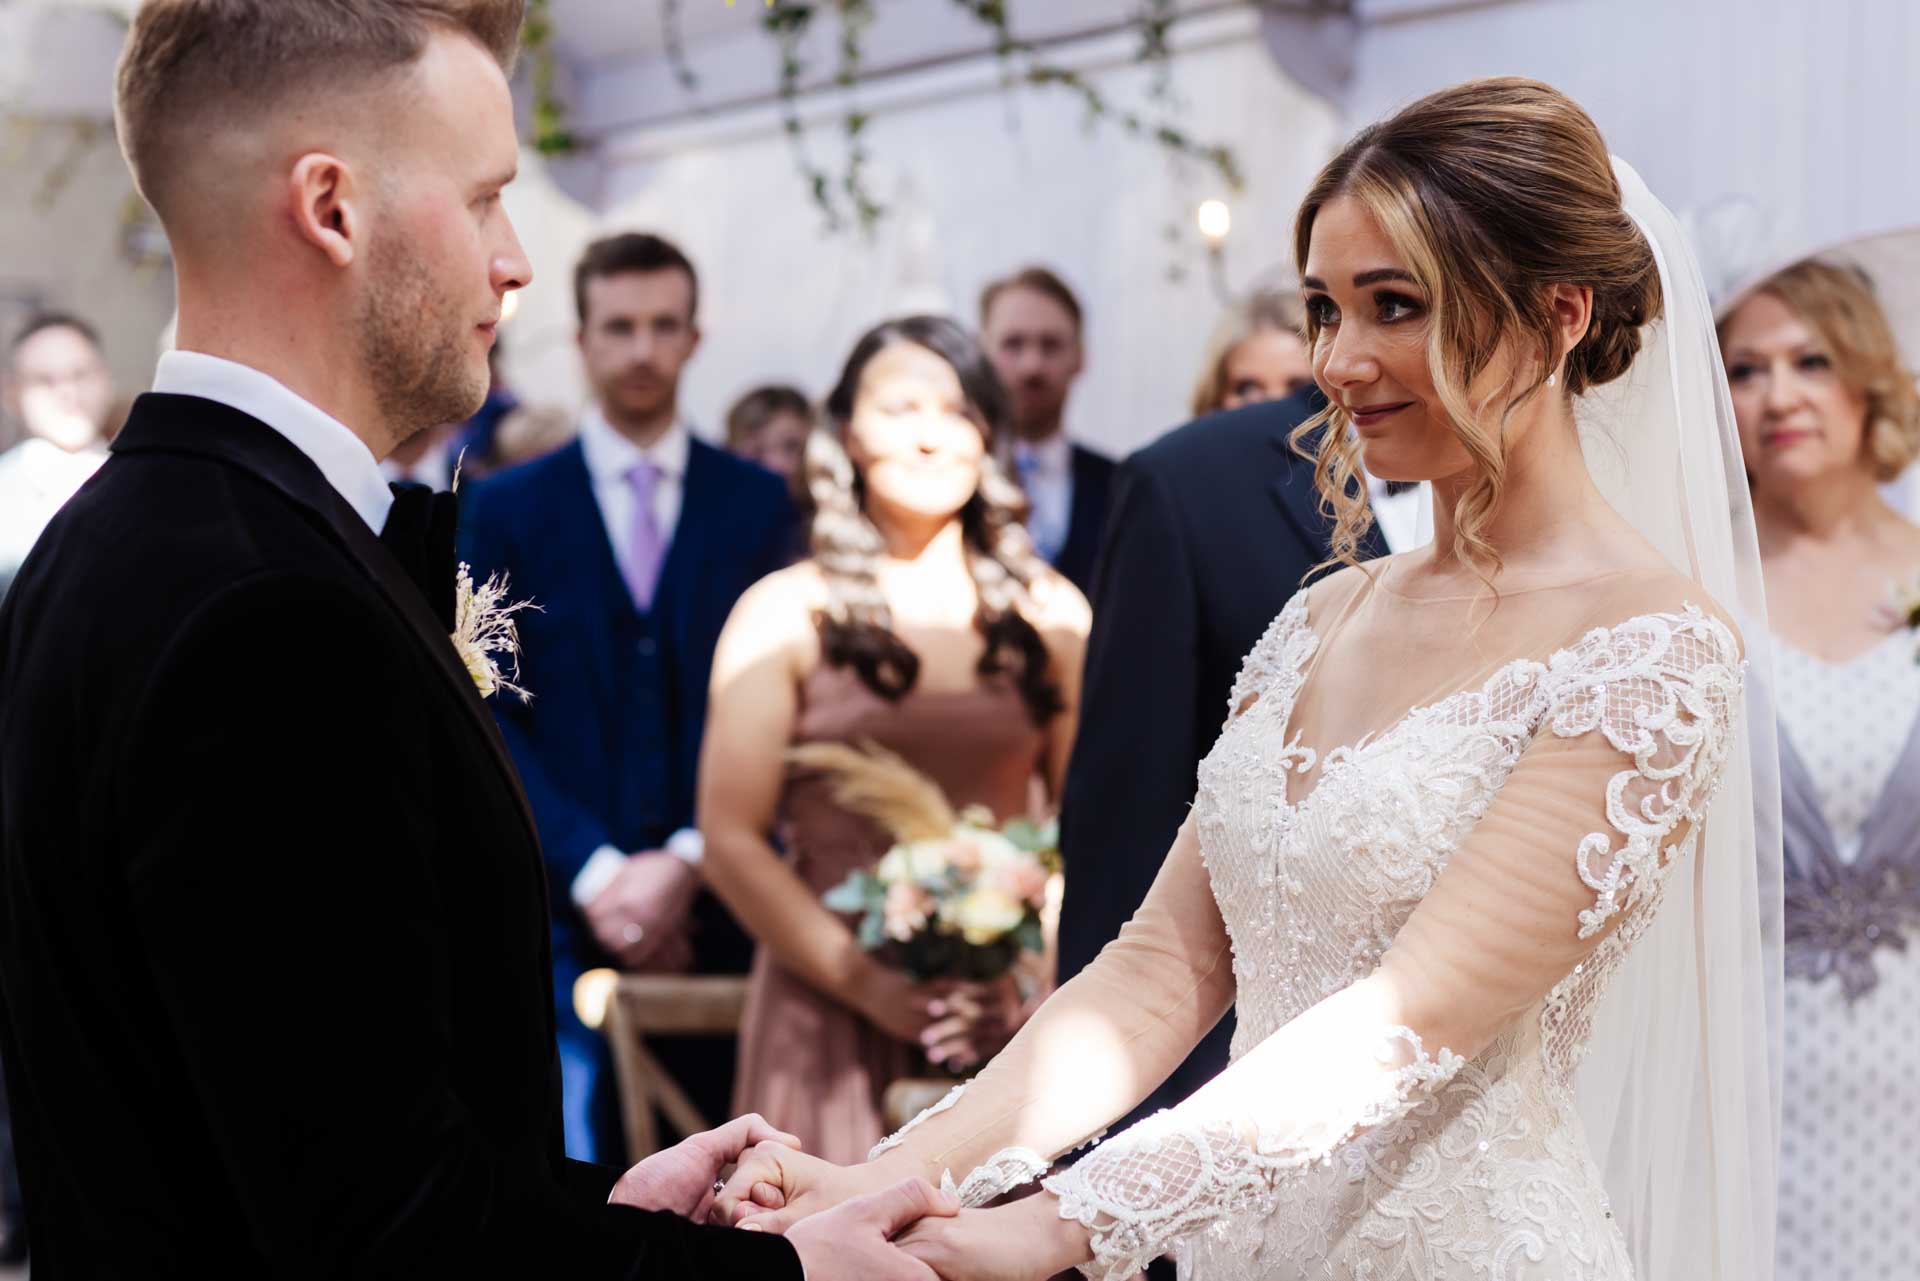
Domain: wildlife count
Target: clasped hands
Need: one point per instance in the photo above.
(852, 1242)
(777, 1188)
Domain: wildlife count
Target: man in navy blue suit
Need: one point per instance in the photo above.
(1030, 324)
(634, 541)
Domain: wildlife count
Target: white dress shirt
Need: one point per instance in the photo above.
(610, 456)
(1045, 470)
(342, 457)
(1397, 515)
(37, 477)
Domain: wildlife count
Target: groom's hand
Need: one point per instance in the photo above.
(681, 1179)
(855, 1241)
(773, 1187)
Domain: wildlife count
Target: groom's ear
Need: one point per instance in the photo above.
(325, 205)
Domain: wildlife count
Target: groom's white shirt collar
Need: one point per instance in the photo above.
(342, 457)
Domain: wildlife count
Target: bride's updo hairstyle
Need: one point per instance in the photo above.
(1493, 192)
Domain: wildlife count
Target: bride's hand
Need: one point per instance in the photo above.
(1024, 1241)
(773, 1187)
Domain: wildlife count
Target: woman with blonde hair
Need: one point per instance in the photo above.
(1474, 855)
(1828, 412)
(770, 425)
(1257, 352)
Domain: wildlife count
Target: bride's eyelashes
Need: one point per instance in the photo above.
(1390, 307)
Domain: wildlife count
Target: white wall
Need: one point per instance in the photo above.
(1808, 114)
(981, 182)
(1809, 108)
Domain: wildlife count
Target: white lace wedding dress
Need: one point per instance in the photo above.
(1416, 944)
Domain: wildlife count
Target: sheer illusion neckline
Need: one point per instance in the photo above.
(1300, 760)
(1482, 594)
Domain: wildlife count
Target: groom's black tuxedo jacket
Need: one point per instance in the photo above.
(274, 988)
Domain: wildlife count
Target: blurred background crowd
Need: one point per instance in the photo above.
(846, 407)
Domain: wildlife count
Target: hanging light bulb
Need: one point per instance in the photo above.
(1215, 220)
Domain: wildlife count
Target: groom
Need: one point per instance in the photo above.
(273, 965)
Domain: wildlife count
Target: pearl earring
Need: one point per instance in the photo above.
(1552, 379)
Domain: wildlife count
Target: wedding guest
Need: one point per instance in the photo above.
(1031, 324)
(924, 623)
(770, 426)
(1256, 353)
(59, 390)
(526, 432)
(634, 541)
(1827, 411)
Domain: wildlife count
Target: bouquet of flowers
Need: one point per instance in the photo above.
(957, 896)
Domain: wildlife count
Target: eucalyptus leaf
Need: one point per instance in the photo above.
(853, 894)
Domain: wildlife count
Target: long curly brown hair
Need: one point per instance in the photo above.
(856, 627)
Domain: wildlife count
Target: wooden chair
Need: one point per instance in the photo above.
(627, 1009)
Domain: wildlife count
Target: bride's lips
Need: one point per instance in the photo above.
(1368, 415)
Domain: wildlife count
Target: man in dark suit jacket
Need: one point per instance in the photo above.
(1030, 324)
(1213, 527)
(634, 541)
(274, 978)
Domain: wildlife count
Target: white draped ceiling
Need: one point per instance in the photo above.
(1778, 123)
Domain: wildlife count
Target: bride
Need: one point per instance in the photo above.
(1475, 855)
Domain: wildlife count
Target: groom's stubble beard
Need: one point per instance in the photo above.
(413, 345)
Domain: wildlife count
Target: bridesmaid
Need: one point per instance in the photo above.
(1826, 414)
(924, 622)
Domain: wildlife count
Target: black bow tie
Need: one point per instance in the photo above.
(1400, 486)
(420, 532)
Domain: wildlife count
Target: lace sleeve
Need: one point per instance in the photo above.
(1226, 1152)
(1662, 690)
(899, 1136)
(1092, 1051)
(1634, 725)
(998, 1175)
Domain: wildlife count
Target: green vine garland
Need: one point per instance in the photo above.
(551, 136)
(788, 21)
(844, 198)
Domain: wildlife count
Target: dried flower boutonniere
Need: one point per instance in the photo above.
(482, 627)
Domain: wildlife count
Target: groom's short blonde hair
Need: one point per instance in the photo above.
(190, 66)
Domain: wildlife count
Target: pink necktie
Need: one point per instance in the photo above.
(643, 537)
